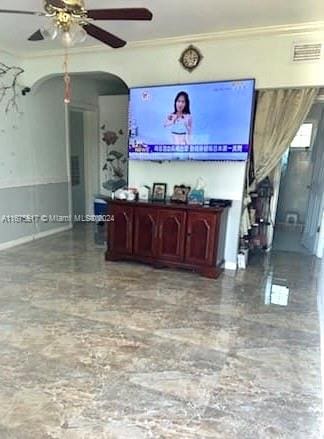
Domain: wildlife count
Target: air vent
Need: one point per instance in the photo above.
(307, 52)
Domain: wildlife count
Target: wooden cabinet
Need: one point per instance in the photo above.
(145, 231)
(201, 244)
(171, 235)
(120, 231)
(168, 235)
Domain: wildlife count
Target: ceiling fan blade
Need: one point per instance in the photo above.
(56, 3)
(120, 14)
(104, 36)
(37, 36)
(11, 11)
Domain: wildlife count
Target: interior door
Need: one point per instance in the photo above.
(316, 197)
(171, 235)
(145, 230)
(201, 233)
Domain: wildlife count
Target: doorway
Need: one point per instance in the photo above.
(84, 160)
(300, 202)
(77, 162)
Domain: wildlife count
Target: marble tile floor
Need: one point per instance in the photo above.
(288, 239)
(97, 350)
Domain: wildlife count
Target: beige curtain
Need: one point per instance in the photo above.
(279, 115)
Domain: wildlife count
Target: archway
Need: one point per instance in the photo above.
(85, 123)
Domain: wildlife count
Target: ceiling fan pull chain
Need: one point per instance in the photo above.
(67, 81)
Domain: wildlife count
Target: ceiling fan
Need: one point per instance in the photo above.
(72, 22)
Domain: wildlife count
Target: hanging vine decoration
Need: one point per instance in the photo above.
(10, 90)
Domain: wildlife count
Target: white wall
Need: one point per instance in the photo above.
(224, 179)
(33, 177)
(33, 145)
(33, 159)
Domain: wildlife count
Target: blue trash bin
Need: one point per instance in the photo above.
(100, 208)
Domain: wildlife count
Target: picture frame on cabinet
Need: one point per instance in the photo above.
(180, 194)
(159, 192)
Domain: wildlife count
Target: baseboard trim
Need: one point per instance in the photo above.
(230, 266)
(41, 235)
(34, 237)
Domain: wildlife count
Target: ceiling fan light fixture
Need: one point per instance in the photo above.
(75, 34)
(49, 32)
(81, 35)
(72, 21)
(67, 39)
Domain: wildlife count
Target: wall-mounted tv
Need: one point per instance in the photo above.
(205, 121)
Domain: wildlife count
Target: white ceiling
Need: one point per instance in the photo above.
(172, 18)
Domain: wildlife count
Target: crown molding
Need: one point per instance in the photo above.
(299, 29)
(8, 53)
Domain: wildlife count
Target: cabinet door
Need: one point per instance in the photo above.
(201, 234)
(145, 230)
(120, 231)
(171, 236)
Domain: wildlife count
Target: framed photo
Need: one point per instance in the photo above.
(180, 194)
(159, 192)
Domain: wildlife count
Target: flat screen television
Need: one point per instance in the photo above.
(205, 121)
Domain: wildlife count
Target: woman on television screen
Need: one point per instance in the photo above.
(180, 120)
